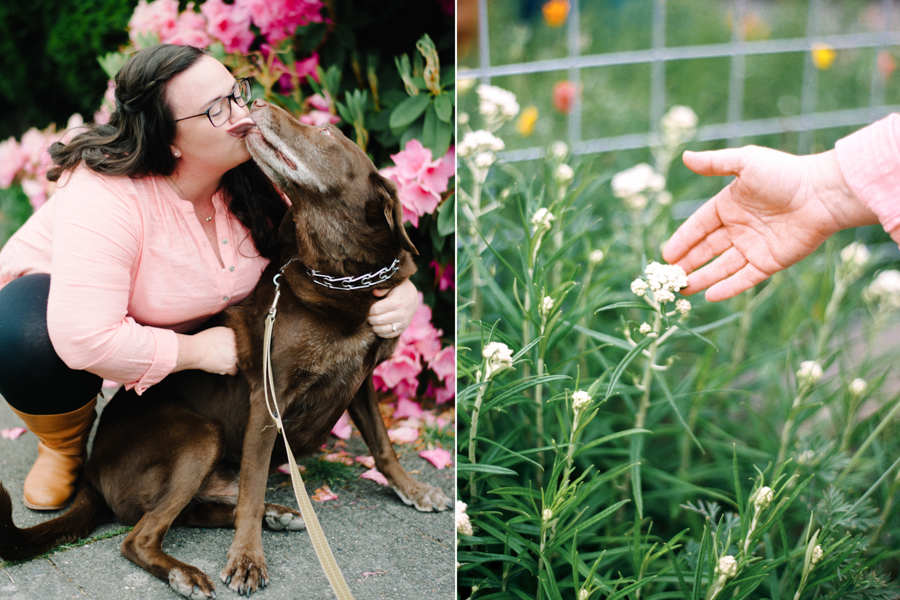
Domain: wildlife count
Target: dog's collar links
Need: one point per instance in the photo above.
(360, 282)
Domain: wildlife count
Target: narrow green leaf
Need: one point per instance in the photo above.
(408, 111)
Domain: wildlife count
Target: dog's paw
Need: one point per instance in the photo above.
(191, 582)
(424, 497)
(281, 518)
(246, 574)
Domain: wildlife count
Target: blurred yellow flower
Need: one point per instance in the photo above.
(823, 56)
(527, 118)
(556, 12)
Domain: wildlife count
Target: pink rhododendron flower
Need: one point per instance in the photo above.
(398, 368)
(317, 118)
(439, 457)
(103, 114)
(342, 428)
(228, 23)
(444, 275)
(366, 461)
(12, 160)
(303, 69)
(324, 493)
(319, 102)
(375, 476)
(444, 363)
(407, 408)
(279, 19)
(403, 435)
(12, 433)
(443, 394)
(159, 17)
(190, 30)
(420, 180)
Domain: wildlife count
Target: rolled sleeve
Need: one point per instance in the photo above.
(870, 162)
(163, 361)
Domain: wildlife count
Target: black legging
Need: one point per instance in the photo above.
(33, 378)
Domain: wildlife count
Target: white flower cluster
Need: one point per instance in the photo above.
(884, 290)
(564, 175)
(663, 281)
(762, 498)
(499, 358)
(546, 306)
(854, 258)
(580, 400)
(496, 104)
(596, 256)
(816, 556)
(632, 185)
(559, 150)
(809, 373)
(683, 307)
(679, 125)
(479, 142)
(645, 328)
(858, 387)
(726, 567)
(542, 220)
(463, 524)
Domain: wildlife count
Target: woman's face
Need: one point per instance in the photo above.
(201, 145)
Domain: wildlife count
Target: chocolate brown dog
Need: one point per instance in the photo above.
(173, 455)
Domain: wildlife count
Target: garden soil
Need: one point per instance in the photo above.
(384, 548)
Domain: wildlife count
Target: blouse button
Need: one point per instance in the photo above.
(225, 299)
(224, 241)
(231, 268)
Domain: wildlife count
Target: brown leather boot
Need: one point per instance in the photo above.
(62, 451)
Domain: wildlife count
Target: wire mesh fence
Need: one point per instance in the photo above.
(805, 37)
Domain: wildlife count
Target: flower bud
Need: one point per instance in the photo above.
(542, 220)
(499, 358)
(546, 306)
(809, 373)
(645, 328)
(762, 498)
(463, 524)
(547, 515)
(580, 400)
(858, 387)
(816, 555)
(726, 567)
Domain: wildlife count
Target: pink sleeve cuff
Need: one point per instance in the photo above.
(163, 361)
(870, 163)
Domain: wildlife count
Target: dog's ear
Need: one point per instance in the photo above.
(287, 231)
(386, 192)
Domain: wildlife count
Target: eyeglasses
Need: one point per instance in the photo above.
(220, 111)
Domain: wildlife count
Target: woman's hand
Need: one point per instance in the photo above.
(390, 316)
(776, 212)
(213, 350)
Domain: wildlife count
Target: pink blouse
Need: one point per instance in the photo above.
(130, 267)
(870, 162)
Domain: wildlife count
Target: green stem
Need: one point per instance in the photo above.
(473, 487)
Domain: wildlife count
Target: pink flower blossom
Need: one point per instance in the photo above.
(407, 408)
(323, 494)
(12, 160)
(444, 363)
(420, 180)
(342, 428)
(444, 275)
(102, 116)
(190, 30)
(279, 19)
(319, 102)
(303, 69)
(400, 367)
(443, 394)
(439, 457)
(403, 435)
(317, 118)
(228, 23)
(12, 433)
(375, 476)
(366, 461)
(159, 17)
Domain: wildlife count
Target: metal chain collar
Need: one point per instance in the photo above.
(360, 282)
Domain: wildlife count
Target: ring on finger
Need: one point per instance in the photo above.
(393, 327)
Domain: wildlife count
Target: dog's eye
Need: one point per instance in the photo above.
(326, 131)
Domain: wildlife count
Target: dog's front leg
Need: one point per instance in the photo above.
(245, 571)
(364, 412)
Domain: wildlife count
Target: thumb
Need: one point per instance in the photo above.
(730, 161)
(380, 292)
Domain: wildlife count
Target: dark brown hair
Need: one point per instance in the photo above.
(136, 142)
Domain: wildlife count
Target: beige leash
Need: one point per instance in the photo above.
(323, 550)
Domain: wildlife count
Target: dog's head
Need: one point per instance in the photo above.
(342, 206)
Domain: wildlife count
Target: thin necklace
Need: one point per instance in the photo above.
(184, 197)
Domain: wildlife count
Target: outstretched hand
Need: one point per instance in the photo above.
(777, 211)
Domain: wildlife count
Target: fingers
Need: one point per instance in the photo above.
(726, 277)
(698, 226)
(730, 161)
(390, 316)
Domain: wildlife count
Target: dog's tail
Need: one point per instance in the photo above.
(87, 512)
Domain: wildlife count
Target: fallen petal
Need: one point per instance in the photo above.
(12, 433)
(439, 457)
(375, 476)
(367, 461)
(403, 435)
(324, 493)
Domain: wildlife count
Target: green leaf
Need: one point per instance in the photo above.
(408, 111)
(492, 469)
(443, 106)
(435, 134)
(446, 221)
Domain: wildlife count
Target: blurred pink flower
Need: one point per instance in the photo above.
(403, 435)
(444, 275)
(421, 336)
(407, 409)
(317, 118)
(444, 363)
(420, 180)
(285, 469)
(279, 19)
(190, 30)
(304, 69)
(342, 428)
(375, 476)
(341, 457)
(228, 23)
(443, 394)
(439, 457)
(12, 160)
(564, 95)
(12, 433)
(366, 461)
(157, 17)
